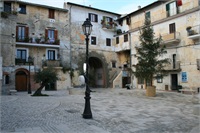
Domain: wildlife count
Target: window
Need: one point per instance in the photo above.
(174, 61)
(107, 19)
(159, 78)
(22, 33)
(22, 9)
(7, 7)
(51, 13)
(7, 78)
(51, 34)
(128, 20)
(148, 15)
(21, 54)
(172, 28)
(140, 81)
(126, 38)
(108, 42)
(51, 54)
(93, 17)
(93, 40)
(113, 64)
(117, 40)
(171, 9)
(121, 22)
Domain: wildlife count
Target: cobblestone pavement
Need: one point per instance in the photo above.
(114, 111)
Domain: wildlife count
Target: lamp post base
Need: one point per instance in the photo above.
(87, 114)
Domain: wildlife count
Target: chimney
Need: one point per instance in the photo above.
(90, 6)
(139, 7)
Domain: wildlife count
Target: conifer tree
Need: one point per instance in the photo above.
(148, 55)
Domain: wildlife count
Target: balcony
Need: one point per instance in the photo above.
(122, 47)
(193, 32)
(108, 25)
(173, 66)
(23, 62)
(39, 42)
(171, 39)
(51, 63)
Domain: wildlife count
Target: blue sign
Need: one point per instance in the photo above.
(184, 77)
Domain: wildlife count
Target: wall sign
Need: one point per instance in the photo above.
(184, 77)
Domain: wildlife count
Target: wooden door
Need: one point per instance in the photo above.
(174, 81)
(21, 81)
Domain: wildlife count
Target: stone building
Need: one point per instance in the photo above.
(33, 37)
(37, 36)
(178, 22)
(103, 60)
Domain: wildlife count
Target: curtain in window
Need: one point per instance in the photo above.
(21, 54)
(51, 55)
(21, 33)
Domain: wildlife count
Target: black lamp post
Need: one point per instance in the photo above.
(29, 83)
(87, 28)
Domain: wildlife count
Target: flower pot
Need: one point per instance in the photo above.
(151, 91)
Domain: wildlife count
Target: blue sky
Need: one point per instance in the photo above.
(117, 6)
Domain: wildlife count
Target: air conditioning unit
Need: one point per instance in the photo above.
(198, 64)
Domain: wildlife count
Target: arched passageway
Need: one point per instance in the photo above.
(96, 72)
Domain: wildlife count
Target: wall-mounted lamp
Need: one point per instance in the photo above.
(13, 35)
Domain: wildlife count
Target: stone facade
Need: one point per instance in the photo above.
(54, 37)
(170, 19)
(101, 54)
(36, 31)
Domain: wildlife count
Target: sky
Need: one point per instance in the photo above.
(116, 6)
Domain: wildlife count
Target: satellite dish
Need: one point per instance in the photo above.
(18, 9)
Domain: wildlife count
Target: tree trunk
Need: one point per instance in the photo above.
(38, 91)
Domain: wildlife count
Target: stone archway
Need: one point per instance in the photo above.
(96, 72)
(21, 80)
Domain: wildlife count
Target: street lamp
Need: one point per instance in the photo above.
(87, 28)
(29, 84)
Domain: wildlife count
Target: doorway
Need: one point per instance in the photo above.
(21, 81)
(96, 72)
(174, 81)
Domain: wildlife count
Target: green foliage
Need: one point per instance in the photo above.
(46, 76)
(4, 14)
(149, 64)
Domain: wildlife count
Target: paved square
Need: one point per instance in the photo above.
(114, 111)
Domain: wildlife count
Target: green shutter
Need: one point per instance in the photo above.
(167, 7)
(148, 15)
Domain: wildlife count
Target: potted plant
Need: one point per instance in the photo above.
(4, 14)
(188, 28)
(37, 40)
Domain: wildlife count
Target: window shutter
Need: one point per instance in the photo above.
(56, 34)
(167, 7)
(26, 31)
(89, 16)
(46, 33)
(16, 33)
(96, 18)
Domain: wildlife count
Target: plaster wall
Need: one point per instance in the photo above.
(186, 50)
(105, 53)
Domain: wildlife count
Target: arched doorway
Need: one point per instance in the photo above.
(21, 80)
(96, 72)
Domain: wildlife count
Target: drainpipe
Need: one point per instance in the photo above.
(70, 38)
(130, 57)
